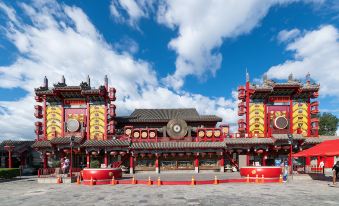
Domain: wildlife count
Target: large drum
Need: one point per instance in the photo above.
(98, 175)
(268, 172)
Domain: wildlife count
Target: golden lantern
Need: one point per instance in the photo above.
(201, 133)
(144, 134)
(209, 133)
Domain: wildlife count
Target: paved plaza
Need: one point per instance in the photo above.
(296, 192)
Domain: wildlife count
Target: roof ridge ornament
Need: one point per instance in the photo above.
(308, 78)
(45, 82)
(88, 81)
(290, 77)
(247, 76)
(62, 83)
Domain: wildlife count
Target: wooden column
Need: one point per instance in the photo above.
(10, 158)
(45, 161)
(222, 162)
(248, 159)
(264, 159)
(88, 159)
(196, 163)
(106, 159)
(157, 163)
(10, 161)
(131, 164)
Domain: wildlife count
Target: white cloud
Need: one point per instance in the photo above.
(317, 52)
(63, 41)
(287, 35)
(202, 27)
(130, 11)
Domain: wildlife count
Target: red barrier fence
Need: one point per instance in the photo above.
(53, 172)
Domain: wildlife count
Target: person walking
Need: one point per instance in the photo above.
(335, 170)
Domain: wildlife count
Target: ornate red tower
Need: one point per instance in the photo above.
(273, 108)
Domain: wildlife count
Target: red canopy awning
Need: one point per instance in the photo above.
(327, 148)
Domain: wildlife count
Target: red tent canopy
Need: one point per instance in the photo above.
(327, 148)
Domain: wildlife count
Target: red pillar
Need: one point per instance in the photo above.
(10, 158)
(131, 164)
(221, 161)
(291, 116)
(88, 160)
(196, 161)
(248, 159)
(45, 161)
(265, 118)
(106, 159)
(157, 164)
(247, 106)
(264, 159)
(308, 161)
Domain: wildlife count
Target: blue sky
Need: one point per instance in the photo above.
(161, 54)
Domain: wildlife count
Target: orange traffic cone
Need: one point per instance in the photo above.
(215, 180)
(256, 179)
(58, 180)
(280, 179)
(248, 178)
(133, 181)
(113, 181)
(78, 180)
(262, 179)
(149, 181)
(91, 182)
(193, 181)
(159, 181)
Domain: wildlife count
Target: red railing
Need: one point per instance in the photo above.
(53, 172)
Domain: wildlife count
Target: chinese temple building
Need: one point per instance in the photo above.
(272, 114)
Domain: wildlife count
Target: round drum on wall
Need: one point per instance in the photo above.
(177, 128)
(281, 122)
(73, 125)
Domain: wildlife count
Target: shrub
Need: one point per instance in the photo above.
(95, 164)
(9, 173)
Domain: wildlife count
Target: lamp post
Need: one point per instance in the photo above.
(71, 160)
(290, 141)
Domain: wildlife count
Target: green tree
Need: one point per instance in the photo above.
(328, 124)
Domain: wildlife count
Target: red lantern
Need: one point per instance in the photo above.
(286, 147)
(113, 153)
(173, 154)
(150, 155)
(66, 151)
(122, 153)
(188, 154)
(165, 155)
(210, 154)
(142, 155)
(181, 154)
(260, 151)
(203, 154)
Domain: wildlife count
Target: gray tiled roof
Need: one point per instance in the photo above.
(66, 140)
(176, 145)
(285, 136)
(316, 140)
(106, 143)
(42, 144)
(160, 115)
(232, 141)
(16, 142)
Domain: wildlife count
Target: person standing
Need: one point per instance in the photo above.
(335, 170)
(321, 165)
